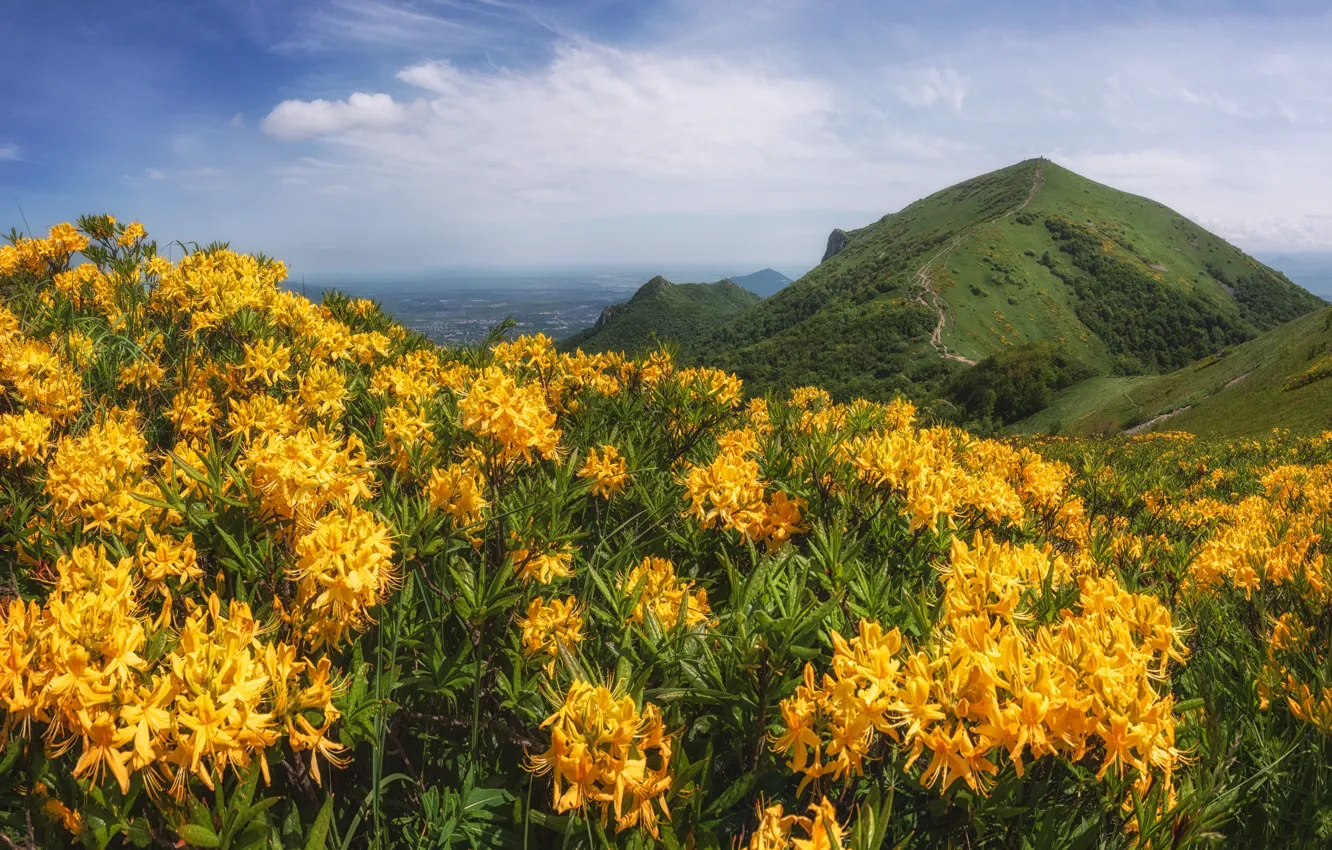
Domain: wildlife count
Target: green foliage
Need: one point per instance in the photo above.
(1267, 298)
(1148, 326)
(1013, 384)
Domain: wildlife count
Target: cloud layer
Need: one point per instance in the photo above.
(388, 134)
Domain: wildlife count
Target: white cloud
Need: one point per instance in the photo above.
(10, 153)
(690, 147)
(301, 119)
(154, 173)
(237, 121)
(594, 118)
(926, 87)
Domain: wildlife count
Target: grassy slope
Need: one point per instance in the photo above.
(852, 323)
(1148, 236)
(677, 312)
(1240, 393)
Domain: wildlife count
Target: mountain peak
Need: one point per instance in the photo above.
(651, 288)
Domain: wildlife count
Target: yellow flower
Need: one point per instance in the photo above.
(406, 432)
(344, 567)
(132, 233)
(267, 361)
(323, 390)
(71, 820)
(160, 556)
(25, 436)
(824, 832)
(193, 410)
(94, 477)
(550, 625)
(606, 469)
(543, 567)
(141, 373)
(821, 828)
(297, 476)
(514, 418)
(727, 493)
(604, 752)
(665, 595)
(459, 491)
(782, 519)
(774, 829)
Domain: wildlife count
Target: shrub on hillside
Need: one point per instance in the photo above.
(1014, 383)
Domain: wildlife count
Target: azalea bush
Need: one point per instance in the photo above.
(286, 575)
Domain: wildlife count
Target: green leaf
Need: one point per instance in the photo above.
(199, 836)
(319, 829)
(732, 795)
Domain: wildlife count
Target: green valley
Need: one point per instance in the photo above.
(1282, 379)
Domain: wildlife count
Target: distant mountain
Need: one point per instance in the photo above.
(1282, 379)
(764, 282)
(661, 311)
(1310, 269)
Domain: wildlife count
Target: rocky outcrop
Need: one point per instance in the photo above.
(836, 242)
(608, 315)
(644, 293)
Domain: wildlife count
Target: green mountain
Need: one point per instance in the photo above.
(1282, 379)
(1044, 275)
(662, 311)
(1120, 283)
(763, 282)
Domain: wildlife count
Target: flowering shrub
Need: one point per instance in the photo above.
(284, 574)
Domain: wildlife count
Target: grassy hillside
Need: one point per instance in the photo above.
(664, 311)
(1282, 379)
(1029, 252)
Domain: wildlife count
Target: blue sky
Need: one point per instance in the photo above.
(360, 135)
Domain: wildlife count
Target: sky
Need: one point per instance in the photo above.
(378, 136)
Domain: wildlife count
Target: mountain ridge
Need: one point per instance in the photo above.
(1029, 252)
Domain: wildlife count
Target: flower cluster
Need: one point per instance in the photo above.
(551, 625)
(991, 685)
(606, 753)
(516, 418)
(606, 469)
(217, 701)
(670, 600)
(729, 494)
(775, 827)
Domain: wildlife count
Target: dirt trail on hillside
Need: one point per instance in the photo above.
(1155, 420)
(928, 295)
(1233, 381)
